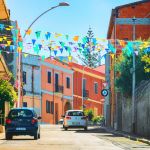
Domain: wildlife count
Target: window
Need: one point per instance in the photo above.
(68, 82)
(24, 77)
(96, 88)
(24, 104)
(52, 107)
(49, 76)
(47, 106)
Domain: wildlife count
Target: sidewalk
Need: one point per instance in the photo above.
(127, 135)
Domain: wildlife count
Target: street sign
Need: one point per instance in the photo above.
(104, 92)
(129, 21)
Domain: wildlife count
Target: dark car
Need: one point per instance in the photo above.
(22, 121)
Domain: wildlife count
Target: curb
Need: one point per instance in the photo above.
(146, 141)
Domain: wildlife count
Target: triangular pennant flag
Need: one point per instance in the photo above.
(8, 42)
(136, 53)
(61, 50)
(38, 34)
(76, 38)
(0, 51)
(69, 58)
(55, 52)
(40, 46)
(67, 37)
(28, 32)
(33, 41)
(43, 58)
(62, 44)
(25, 55)
(1, 26)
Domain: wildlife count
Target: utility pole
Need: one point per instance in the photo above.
(133, 81)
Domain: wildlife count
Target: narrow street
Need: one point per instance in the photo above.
(53, 137)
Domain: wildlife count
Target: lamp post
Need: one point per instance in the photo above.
(133, 82)
(19, 57)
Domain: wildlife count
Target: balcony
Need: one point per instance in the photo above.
(85, 94)
(59, 89)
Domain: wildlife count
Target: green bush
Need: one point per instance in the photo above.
(97, 119)
(89, 113)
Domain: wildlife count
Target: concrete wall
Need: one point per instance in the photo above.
(142, 112)
(143, 109)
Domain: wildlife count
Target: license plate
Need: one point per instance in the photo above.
(20, 129)
(76, 123)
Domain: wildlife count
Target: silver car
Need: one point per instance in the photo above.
(75, 119)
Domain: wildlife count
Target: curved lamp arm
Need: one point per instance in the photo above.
(60, 4)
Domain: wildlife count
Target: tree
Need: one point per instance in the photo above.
(89, 56)
(7, 93)
(123, 68)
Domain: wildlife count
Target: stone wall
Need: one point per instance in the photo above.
(124, 121)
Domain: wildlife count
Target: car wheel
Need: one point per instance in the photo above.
(65, 128)
(8, 136)
(36, 136)
(85, 128)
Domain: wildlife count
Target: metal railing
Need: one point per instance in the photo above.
(59, 88)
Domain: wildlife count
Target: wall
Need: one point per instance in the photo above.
(142, 113)
(93, 101)
(31, 65)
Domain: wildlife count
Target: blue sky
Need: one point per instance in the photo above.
(72, 20)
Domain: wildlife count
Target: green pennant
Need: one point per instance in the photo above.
(36, 49)
(67, 37)
(43, 58)
(38, 34)
(0, 52)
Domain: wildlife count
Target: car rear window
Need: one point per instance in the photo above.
(20, 113)
(75, 113)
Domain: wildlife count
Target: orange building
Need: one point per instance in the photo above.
(140, 10)
(91, 81)
(56, 89)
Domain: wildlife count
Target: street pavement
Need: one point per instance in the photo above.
(53, 137)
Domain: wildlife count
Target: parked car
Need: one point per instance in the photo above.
(61, 121)
(75, 119)
(22, 121)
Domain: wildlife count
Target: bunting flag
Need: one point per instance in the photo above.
(28, 32)
(76, 38)
(38, 34)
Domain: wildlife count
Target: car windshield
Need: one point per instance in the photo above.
(20, 113)
(75, 113)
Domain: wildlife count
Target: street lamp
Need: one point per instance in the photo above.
(19, 57)
(60, 4)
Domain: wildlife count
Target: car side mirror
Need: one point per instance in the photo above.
(63, 116)
(39, 118)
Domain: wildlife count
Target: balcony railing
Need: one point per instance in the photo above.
(59, 89)
(85, 94)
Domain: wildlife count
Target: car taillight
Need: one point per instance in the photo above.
(8, 121)
(33, 121)
(84, 118)
(68, 118)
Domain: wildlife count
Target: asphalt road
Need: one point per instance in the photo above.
(53, 137)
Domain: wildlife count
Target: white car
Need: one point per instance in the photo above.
(75, 119)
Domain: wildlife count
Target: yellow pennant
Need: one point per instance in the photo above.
(8, 42)
(4, 37)
(8, 29)
(69, 58)
(25, 55)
